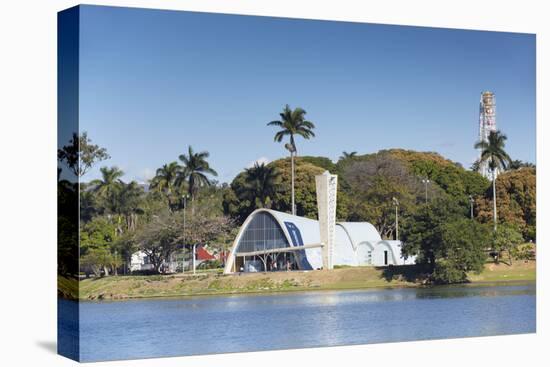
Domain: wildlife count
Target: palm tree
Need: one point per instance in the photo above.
(109, 186)
(493, 153)
(130, 199)
(166, 182)
(292, 123)
(195, 172)
(261, 183)
(346, 155)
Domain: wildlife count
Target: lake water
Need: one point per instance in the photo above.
(202, 325)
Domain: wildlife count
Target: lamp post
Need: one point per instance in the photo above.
(471, 207)
(183, 237)
(396, 203)
(194, 248)
(292, 149)
(426, 181)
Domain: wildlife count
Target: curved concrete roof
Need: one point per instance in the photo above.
(301, 231)
(309, 228)
(359, 232)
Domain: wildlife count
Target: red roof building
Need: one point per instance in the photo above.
(203, 254)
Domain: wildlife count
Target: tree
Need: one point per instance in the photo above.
(96, 240)
(292, 123)
(166, 182)
(124, 246)
(108, 187)
(493, 153)
(261, 185)
(239, 206)
(462, 251)
(196, 170)
(89, 206)
(422, 231)
(159, 239)
(129, 203)
(345, 155)
(374, 182)
(80, 154)
(505, 238)
(206, 229)
(444, 175)
(448, 244)
(518, 164)
(67, 228)
(322, 162)
(516, 201)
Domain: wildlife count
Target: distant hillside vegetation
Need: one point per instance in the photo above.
(516, 201)
(368, 183)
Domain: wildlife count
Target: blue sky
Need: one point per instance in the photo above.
(153, 82)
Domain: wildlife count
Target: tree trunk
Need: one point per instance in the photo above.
(494, 201)
(293, 211)
(96, 270)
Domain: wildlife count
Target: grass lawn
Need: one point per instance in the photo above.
(124, 287)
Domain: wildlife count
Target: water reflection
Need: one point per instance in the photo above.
(201, 325)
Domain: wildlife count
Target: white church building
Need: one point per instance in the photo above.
(273, 240)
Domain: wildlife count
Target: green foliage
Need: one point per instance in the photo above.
(167, 182)
(80, 154)
(98, 233)
(159, 239)
(67, 228)
(162, 237)
(293, 123)
(518, 164)
(238, 203)
(376, 178)
(493, 153)
(256, 187)
(98, 251)
(345, 155)
(261, 185)
(441, 236)
(422, 233)
(210, 264)
(506, 237)
(516, 201)
(196, 171)
(526, 251)
(461, 251)
(373, 182)
(108, 187)
(304, 186)
(453, 179)
(322, 162)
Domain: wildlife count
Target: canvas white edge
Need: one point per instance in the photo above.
(27, 151)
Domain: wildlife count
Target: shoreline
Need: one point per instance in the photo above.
(502, 283)
(207, 285)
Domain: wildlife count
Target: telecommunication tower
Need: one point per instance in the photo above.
(487, 123)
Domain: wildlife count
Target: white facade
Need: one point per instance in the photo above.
(140, 262)
(355, 244)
